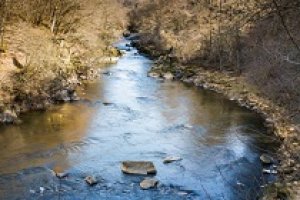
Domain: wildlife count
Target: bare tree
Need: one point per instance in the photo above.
(3, 11)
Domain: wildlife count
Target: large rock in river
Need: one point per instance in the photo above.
(138, 167)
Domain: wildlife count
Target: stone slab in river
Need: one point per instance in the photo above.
(138, 167)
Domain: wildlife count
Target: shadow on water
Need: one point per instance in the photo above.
(126, 115)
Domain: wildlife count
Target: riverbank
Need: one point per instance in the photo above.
(236, 89)
(239, 49)
(42, 63)
(219, 143)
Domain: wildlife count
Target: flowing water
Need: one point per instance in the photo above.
(126, 115)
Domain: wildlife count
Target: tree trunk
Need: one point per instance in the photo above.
(53, 21)
(2, 27)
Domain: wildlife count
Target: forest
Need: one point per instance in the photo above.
(256, 39)
(150, 99)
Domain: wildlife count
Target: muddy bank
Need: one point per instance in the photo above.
(236, 89)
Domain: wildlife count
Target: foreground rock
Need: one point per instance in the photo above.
(138, 167)
(171, 159)
(148, 183)
(91, 180)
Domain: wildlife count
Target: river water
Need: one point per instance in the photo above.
(126, 115)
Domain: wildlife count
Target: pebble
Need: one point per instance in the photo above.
(269, 171)
(61, 175)
(91, 180)
(171, 159)
(266, 159)
(42, 189)
(148, 183)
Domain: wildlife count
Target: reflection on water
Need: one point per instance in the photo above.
(128, 116)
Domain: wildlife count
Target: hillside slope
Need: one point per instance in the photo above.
(48, 47)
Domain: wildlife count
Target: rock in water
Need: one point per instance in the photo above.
(62, 175)
(59, 173)
(171, 159)
(148, 183)
(8, 116)
(153, 74)
(107, 104)
(269, 171)
(266, 159)
(42, 189)
(138, 167)
(168, 76)
(91, 180)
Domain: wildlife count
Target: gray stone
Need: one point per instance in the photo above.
(171, 159)
(153, 74)
(62, 95)
(269, 171)
(138, 167)
(168, 76)
(8, 116)
(91, 180)
(148, 183)
(266, 159)
(61, 175)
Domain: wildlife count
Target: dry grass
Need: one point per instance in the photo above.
(38, 58)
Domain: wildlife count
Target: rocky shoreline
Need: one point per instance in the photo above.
(236, 89)
(61, 90)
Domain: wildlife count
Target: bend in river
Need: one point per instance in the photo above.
(129, 116)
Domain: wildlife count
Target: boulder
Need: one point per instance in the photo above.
(171, 159)
(148, 183)
(138, 167)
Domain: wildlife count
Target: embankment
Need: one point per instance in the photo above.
(246, 50)
(43, 60)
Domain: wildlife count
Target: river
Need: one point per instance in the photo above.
(125, 115)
